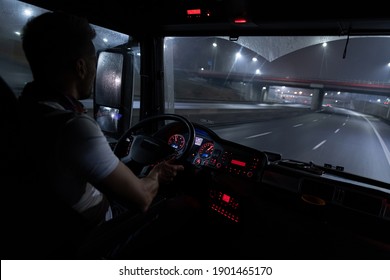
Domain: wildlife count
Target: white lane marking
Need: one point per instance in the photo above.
(316, 147)
(315, 120)
(384, 147)
(300, 124)
(337, 130)
(343, 124)
(258, 135)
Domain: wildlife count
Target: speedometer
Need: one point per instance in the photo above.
(177, 141)
(206, 150)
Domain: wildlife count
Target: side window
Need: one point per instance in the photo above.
(15, 70)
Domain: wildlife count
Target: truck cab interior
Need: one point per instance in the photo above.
(282, 122)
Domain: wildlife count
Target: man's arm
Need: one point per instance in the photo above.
(140, 191)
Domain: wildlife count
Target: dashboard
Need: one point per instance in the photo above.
(331, 200)
(259, 170)
(234, 173)
(271, 198)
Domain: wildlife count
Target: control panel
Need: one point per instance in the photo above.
(237, 165)
(224, 205)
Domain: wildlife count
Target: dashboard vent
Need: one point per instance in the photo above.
(363, 203)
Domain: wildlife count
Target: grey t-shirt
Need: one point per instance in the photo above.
(84, 157)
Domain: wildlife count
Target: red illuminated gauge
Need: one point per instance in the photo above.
(206, 150)
(177, 141)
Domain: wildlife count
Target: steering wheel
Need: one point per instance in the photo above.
(145, 143)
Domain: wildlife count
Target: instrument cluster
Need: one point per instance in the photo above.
(219, 154)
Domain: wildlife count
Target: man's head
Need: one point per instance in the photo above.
(59, 49)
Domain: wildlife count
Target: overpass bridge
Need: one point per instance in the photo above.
(259, 88)
(366, 87)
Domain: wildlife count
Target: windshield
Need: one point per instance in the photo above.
(320, 99)
(314, 99)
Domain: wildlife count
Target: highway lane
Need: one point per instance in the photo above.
(360, 143)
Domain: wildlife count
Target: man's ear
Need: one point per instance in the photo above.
(81, 68)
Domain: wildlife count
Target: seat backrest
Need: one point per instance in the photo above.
(6, 93)
(9, 120)
(9, 128)
(8, 101)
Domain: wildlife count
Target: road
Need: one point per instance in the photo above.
(360, 143)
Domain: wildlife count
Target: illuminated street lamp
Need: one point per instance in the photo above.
(388, 72)
(215, 45)
(324, 44)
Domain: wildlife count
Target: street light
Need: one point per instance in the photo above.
(215, 45)
(324, 44)
(388, 72)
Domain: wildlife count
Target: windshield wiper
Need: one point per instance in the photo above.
(309, 167)
(337, 167)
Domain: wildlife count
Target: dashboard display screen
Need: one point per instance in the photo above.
(238, 162)
(198, 141)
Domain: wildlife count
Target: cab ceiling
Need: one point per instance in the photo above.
(169, 17)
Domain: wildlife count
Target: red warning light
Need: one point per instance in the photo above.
(226, 198)
(194, 12)
(239, 20)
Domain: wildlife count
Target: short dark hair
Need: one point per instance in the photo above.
(56, 38)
